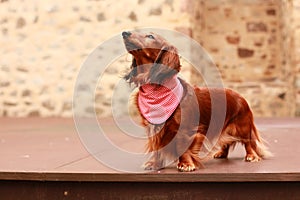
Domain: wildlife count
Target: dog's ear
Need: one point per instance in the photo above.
(166, 65)
(133, 72)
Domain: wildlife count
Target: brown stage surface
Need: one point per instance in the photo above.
(50, 150)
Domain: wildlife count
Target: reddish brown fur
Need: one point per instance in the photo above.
(183, 134)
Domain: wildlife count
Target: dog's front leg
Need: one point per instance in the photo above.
(190, 160)
(155, 162)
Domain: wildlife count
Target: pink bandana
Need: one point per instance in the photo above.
(158, 102)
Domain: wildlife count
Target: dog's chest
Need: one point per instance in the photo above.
(158, 102)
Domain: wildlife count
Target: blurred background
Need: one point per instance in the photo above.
(254, 43)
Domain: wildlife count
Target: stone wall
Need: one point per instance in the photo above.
(44, 43)
(295, 54)
(254, 43)
(250, 42)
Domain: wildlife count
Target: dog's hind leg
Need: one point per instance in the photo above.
(226, 140)
(249, 138)
(223, 152)
(251, 155)
(255, 148)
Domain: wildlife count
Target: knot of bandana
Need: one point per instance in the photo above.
(158, 102)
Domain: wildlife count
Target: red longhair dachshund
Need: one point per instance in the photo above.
(177, 117)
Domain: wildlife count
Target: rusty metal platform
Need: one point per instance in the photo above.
(43, 158)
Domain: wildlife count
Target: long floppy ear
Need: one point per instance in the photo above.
(166, 65)
(133, 72)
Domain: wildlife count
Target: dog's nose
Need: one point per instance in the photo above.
(126, 34)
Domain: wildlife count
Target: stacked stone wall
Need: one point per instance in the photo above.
(44, 43)
(251, 43)
(254, 43)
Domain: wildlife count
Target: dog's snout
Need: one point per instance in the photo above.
(126, 34)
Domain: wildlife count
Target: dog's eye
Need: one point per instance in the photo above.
(150, 36)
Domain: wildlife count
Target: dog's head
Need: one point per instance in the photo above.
(154, 59)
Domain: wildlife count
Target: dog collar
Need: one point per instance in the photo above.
(158, 102)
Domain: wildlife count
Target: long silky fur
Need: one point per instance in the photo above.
(261, 148)
(238, 125)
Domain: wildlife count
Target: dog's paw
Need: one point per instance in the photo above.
(186, 167)
(252, 158)
(150, 165)
(220, 154)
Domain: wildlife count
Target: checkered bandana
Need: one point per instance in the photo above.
(158, 102)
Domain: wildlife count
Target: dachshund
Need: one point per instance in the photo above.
(177, 116)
